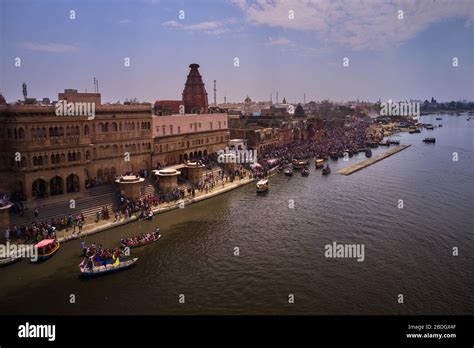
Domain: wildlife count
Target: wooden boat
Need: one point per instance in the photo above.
(5, 261)
(394, 142)
(368, 153)
(298, 164)
(108, 268)
(326, 171)
(373, 144)
(319, 163)
(384, 143)
(305, 171)
(429, 140)
(429, 127)
(288, 171)
(156, 236)
(46, 249)
(414, 130)
(262, 186)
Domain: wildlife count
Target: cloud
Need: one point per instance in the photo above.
(277, 42)
(356, 24)
(209, 27)
(49, 47)
(124, 21)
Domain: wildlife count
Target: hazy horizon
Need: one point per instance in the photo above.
(389, 57)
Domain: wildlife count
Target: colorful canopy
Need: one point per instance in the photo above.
(44, 243)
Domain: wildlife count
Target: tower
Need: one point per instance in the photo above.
(194, 93)
(25, 90)
(215, 93)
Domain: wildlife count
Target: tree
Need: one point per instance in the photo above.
(299, 111)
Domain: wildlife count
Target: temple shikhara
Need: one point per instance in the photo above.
(194, 93)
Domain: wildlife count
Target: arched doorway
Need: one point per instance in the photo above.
(205, 152)
(38, 188)
(56, 186)
(107, 174)
(185, 156)
(99, 175)
(72, 183)
(200, 153)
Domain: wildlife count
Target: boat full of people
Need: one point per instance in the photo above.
(46, 249)
(262, 186)
(90, 268)
(144, 239)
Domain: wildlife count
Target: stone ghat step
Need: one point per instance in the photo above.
(88, 206)
(368, 162)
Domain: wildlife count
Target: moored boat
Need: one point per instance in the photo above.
(5, 261)
(298, 164)
(394, 142)
(262, 186)
(439, 118)
(440, 125)
(288, 171)
(368, 153)
(384, 143)
(319, 163)
(144, 241)
(429, 140)
(429, 127)
(88, 268)
(46, 249)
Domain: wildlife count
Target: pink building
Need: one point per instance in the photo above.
(188, 123)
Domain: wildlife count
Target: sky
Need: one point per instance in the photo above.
(293, 47)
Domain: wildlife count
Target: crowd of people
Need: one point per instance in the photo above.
(37, 231)
(325, 142)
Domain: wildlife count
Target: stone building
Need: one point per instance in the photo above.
(43, 155)
(178, 138)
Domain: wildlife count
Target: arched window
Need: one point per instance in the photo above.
(86, 130)
(33, 133)
(88, 155)
(51, 132)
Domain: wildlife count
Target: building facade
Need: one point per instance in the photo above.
(44, 155)
(178, 138)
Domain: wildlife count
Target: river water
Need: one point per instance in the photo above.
(408, 251)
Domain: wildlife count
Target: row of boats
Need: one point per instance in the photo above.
(92, 265)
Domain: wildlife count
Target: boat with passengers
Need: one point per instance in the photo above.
(46, 249)
(89, 268)
(144, 239)
(262, 186)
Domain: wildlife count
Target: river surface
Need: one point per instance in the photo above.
(408, 251)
